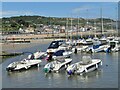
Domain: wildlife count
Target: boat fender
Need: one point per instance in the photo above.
(46, 70)
(96, 66)
(38, 65)
(69, 72)
(45, 74)
(26, 67)
(81, 74)
(57, 71)
(68, 76)
(108, 50)
(86, 70)
(101, 63)
(65, 66)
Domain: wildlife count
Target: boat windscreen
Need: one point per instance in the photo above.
(54, 44)
(59, 53)
(95, 46)
(62, 60)
(86, 60)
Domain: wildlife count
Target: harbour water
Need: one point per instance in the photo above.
(105, 77)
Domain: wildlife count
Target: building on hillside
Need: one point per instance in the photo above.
(62, 29)
(30, 29)
(48, 30)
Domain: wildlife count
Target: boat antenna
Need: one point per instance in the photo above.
(117, 19)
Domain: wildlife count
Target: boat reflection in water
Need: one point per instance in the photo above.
(74, 79)
(24, 73)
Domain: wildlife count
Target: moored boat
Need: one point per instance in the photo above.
(114, 45)
(98, 48)
(86, 65)
(23, 64)
(54, 46)
(56, 65)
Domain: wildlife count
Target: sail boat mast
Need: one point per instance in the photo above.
(67, 29)
(112, 27)
(88, 23)
(102, 29)
(71, 29)
(78, 28)
(95, 28)
(116, 19)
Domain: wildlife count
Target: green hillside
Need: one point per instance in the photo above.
(14, 23)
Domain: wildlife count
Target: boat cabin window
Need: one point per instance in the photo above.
(73, 66)
(60, 43)
(61, 60)
(92, 66)
(59, 53)
(48, 65)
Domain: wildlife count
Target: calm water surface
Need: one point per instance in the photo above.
(105, 77)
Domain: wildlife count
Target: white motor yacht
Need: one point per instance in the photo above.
(57, 65)
(99, 48)
(114, 45)
(61, 53)
(54, 46)
(24, 64)
(86, 65)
